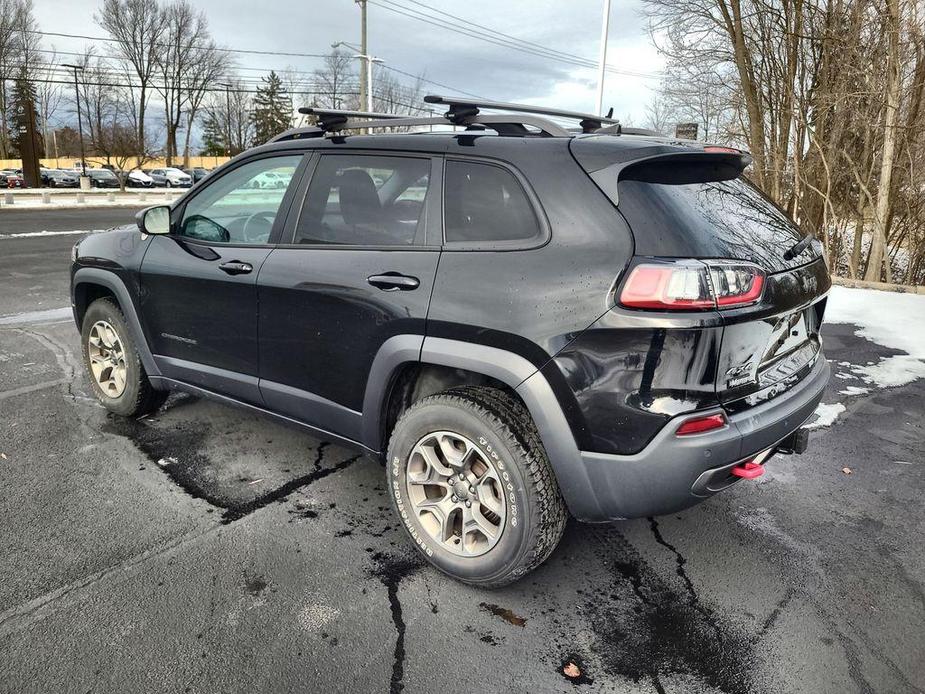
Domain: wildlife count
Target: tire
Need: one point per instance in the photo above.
(168, 184)
(494, 428)
(138, 396)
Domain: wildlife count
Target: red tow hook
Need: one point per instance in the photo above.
(748, 471)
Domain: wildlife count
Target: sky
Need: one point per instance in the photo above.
(462, 63)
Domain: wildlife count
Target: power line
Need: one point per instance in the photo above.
(216, 47)
(504, 43)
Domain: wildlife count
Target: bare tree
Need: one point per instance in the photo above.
(209, 64)
(137, 28)
(336, 82)
(229, 127)
(186, 38)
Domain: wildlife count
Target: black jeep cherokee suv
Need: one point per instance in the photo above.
(522, 321)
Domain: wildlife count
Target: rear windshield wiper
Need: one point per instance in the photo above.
(798, 247)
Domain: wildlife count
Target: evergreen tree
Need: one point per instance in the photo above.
(22, 96)
(272, 109)
(213, 137)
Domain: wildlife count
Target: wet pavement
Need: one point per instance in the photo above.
(202, 549)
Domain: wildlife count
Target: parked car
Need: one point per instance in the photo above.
(138, 179)
(197, 173)
(269, 179)
(102, 178)
(606, 324)
(55, 178)
(11, 179)
(169, 178)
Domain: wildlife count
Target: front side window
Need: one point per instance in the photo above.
(365, 200)
(486, 203)
(241, 206)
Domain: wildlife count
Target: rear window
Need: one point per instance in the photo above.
(683, 211)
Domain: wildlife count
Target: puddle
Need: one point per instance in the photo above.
(646, 627)
(178, 449)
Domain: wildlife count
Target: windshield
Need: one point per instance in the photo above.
(706, 218)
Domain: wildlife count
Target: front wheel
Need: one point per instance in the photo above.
(168, 184)
(114, 368)
(471, 482)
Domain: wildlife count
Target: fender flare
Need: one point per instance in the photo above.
(114, 283)
(511, 369)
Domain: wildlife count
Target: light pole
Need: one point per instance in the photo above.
(368, 69)
(605, 24)
(80, 129)
(365, 86)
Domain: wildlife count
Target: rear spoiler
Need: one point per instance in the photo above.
(607, 165)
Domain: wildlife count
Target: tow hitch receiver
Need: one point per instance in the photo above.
(748, 471)
(796, 443)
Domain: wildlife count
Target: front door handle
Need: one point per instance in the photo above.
(393, 282)
(236, 267)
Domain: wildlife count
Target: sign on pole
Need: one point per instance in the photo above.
(686, 131)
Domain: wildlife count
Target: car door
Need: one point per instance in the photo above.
(198, 283)
(358, 269)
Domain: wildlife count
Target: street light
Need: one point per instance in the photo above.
(80, 129)
(369, 77)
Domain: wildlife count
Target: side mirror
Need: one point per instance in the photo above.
(154, 220)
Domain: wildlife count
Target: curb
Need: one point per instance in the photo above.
(882, 286)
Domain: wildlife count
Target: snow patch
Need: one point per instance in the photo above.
(826, 415)
(890, 319)
(854, 390)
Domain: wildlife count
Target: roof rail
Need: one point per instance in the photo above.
(462, 109)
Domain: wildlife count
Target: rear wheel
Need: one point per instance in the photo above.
(473, 487)
(114, 368)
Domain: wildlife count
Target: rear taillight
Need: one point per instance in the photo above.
(692, 285)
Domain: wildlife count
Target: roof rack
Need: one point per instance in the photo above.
(461, 112)
(461, 109)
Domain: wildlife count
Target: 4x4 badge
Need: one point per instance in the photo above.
(739, 375)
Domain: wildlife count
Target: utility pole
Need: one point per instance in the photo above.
(605, 25)
(227, 117)
(365, 89)
(80, 128)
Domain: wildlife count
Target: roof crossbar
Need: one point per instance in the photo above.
(329, 118)
(503, 125)
(460, 112)
(462, 109)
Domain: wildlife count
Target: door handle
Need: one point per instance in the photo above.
(236, 267)
(393, 282)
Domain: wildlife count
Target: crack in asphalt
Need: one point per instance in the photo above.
(776, 612)
(239, 511)
(391, 570)
(668, 631)
(682, 573)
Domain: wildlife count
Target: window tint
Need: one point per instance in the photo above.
(365, 200)
(672, 213)
(485, 203)
(241, 206)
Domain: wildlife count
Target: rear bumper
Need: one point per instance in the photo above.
(672, 473)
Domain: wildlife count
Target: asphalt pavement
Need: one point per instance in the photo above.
(202, 549)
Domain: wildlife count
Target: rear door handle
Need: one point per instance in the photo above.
(236, 267)
(393, 282)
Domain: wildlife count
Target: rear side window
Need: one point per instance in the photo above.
(365, 200)
(678, 210)
(484, 203)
